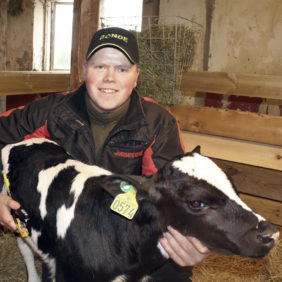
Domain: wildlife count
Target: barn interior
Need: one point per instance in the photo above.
(220, 64)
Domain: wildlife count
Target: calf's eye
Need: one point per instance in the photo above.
(196, 205)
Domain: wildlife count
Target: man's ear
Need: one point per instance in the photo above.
(84, 67)
(197, 149)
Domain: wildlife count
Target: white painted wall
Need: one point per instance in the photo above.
(247, 36)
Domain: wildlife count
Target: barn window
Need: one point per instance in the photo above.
(123, 13)
(53, 28)
(58, 34)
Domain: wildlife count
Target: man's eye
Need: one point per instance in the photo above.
(122, 70)
(99, 67)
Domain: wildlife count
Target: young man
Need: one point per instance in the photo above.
(105, 122)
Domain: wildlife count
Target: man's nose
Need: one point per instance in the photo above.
(110, 74)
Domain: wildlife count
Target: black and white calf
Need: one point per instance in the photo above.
(73, 228)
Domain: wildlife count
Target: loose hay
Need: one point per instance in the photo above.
(235, 268)
(12, 267)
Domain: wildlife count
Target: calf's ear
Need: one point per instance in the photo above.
(197, 149)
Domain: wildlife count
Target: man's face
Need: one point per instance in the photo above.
(110, 78)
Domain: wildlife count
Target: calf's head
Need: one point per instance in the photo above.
(196, 197)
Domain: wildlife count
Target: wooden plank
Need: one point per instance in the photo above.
(228, 123)
(14, 83)
(254, 180)
(251, 85)
(257, 154)
(270, 210)
(85, 23)
(3, 32)
(76, 50)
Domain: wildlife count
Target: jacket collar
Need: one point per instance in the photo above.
(134, 117)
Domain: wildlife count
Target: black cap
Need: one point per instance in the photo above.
(116, 37)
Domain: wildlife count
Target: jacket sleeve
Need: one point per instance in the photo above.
(166, 145)
(18, 123)
(25, 122)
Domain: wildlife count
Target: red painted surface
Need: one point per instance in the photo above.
(248, 104)
(15, 101)
(213, 100)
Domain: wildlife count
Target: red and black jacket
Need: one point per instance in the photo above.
(142, 141)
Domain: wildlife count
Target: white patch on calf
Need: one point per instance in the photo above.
(46, 177)
(28, 257)
(203, 168)
(120, 278)
(162, 250)
(32, 242)
(66, 215)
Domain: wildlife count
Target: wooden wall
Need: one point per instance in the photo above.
(248, 146)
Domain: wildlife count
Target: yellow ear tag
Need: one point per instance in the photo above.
(20, 224)
(7, 183)
(125, 203)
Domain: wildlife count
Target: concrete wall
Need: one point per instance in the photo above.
(246, 35)
(20, 39)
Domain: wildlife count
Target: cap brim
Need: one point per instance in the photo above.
(111, 45)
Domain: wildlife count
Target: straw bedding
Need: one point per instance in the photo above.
(215, 268)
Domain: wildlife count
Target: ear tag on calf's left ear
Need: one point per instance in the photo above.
(125, 203)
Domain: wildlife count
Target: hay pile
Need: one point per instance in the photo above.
(215, 268)
(12, 267)
(165, 50)
(238, 269)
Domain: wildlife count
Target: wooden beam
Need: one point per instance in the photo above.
(228, 123)
(251, 85)
(3, 32)
(14, 83)
(85, 23)
(254, 180)
(257, 154)
(271, 210)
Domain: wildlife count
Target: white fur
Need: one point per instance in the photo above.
(66, 215)
(28, 258)
(203, 168)
(162, 250)
(120, 278)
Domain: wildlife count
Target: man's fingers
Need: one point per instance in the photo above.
(185, 251)
(14, 205)
(6, 219)
(199, 246)
(170, 251)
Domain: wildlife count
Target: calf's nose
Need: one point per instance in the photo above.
(267, 232)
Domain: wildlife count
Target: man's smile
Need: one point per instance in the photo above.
(108, 90)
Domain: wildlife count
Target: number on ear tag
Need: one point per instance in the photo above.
(126, 204)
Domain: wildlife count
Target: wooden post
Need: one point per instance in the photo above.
(3, 31)
(3, 43)
(85, 23)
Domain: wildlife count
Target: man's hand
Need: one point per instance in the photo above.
(6, 219)
(185, 251)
